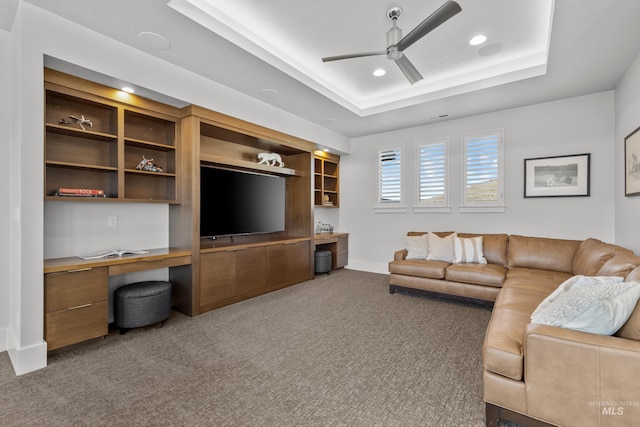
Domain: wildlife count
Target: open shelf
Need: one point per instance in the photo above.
(116, 138)
(326, 180)
(246, 165)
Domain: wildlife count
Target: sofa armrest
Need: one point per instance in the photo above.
(400, 255)
(577, 378)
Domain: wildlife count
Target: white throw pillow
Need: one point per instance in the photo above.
(599, 305)
(416, 246)
(468, 250)
(440, 248)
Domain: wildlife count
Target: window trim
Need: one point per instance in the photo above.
(499, 205)
(391, 207)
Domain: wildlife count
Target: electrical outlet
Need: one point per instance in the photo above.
(113, 221)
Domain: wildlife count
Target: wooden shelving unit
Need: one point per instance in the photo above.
(225, 271)
(326, 179)
(102, 153)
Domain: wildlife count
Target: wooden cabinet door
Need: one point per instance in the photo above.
(217, 276)
(277, 265)
(75, 306)
(251, 270)
(342, 252)
(287, 264)
(299, 262)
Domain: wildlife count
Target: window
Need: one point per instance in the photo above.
(483, 180)
(390, 177)
(432, 161)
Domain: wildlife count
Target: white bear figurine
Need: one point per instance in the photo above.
(270, 159)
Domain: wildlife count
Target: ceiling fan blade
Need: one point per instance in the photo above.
(412, 74)
(353, 55)
(440, 16)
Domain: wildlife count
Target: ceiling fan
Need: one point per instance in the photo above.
(396, 44)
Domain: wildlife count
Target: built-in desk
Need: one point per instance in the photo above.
(76, 292)
(337, 244)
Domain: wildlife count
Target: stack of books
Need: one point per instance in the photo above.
(78, 192)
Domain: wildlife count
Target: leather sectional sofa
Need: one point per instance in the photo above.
(536, 374)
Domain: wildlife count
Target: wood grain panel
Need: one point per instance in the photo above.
(251, 269)
(66, 327)
(75, 288)
(277, 265)
(217, 277)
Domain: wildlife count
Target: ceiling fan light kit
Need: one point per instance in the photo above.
(396, 44)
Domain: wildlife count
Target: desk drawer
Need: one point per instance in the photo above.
(75, 288)
(74, 325)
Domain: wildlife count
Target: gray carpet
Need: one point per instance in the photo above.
(335, 351)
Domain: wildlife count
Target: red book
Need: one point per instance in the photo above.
(80, 191)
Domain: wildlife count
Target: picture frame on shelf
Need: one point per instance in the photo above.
(632, 164)
(558, 176)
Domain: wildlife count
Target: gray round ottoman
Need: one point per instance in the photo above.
(322, 262)
(141, 304)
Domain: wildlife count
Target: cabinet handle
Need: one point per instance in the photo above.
(289, 243)
(79, 306)
(152, 260)
(79, 269)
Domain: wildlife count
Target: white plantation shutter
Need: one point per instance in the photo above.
(390, 176)
(432, 173)
(483, 181)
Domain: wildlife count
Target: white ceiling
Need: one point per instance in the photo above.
(537, 51)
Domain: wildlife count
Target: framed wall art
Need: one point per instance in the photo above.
(559, 176)
(632, 164)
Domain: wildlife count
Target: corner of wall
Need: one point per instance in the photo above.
(25, 359)
(4, 337)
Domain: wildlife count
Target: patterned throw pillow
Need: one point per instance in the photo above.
(468, 250)
(440, 248)
(599, 305)
(416, 246)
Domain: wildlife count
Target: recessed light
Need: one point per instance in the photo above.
(154, 41)
(379, 72)
(128, 89)
(268, 93)
(326, 150)
(479, 39)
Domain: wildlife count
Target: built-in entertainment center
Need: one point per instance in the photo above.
(218, 255)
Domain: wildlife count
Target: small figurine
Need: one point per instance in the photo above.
(79, 120)
(147, 165)
(270, 159)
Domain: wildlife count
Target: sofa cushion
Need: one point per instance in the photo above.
(503, 346)
(440, 248)
(494, 247)
(419, 268)
(591, 256)
(477, 274)
(416, 247)
(631, 329)
(541, 277)
(468, 250)
(633, 275)
(598, 305)
(523, 290)
(619, 265)
(542, 253)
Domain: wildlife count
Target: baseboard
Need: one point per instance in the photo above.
(26, 359)
(371, 267)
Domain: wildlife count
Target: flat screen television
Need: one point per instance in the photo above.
(236, 202)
